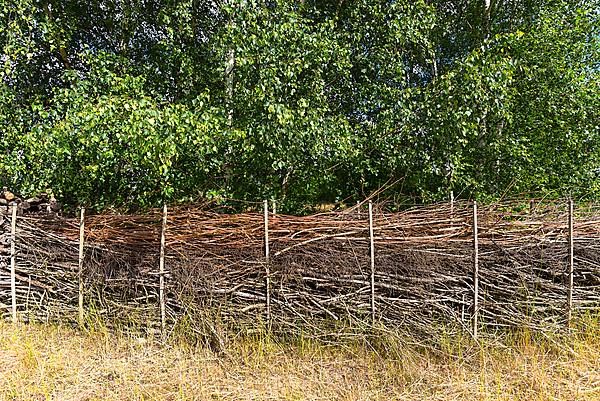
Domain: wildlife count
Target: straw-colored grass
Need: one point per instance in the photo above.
(58, 363)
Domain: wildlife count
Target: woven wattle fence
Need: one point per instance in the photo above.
(319, 278)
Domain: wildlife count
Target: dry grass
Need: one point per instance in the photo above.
(58, 363)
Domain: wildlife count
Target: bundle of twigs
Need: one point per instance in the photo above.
(46, 273)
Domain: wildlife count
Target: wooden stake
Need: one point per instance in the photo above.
(452, 204)
(462, 309)
(475, 271)
(274, 202)
(161, 288)
(13, 256)
(80, 271)
(372, 246)
(267, 262)
(571, 265)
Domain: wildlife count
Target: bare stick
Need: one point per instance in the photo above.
(475, 271)
(267, 262)
(571, 265)
(274, 207)
(372, 242)
(161, 288)
(462, 309)
(451, 204)
(13, 278)
(80, 270)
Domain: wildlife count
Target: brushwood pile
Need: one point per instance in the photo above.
(43, 204)
(319, 270)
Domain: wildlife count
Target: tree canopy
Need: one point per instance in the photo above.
(115, 103)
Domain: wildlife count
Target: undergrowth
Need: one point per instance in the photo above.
(57, 362)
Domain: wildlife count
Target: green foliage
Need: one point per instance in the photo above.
(521, 110)
(129, 104)
(120, 146)
(279, 100)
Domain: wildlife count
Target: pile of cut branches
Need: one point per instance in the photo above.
(319, 268)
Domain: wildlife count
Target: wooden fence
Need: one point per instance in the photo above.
(424, 269)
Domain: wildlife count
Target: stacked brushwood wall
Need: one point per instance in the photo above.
(318, 277)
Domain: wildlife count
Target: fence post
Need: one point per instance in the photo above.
(274, 202)
(571, 266)
(80, 268)
(267, 262)
(13, 273)
(462, 309)
(161, 287)
(372, 249)
(475, 271)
